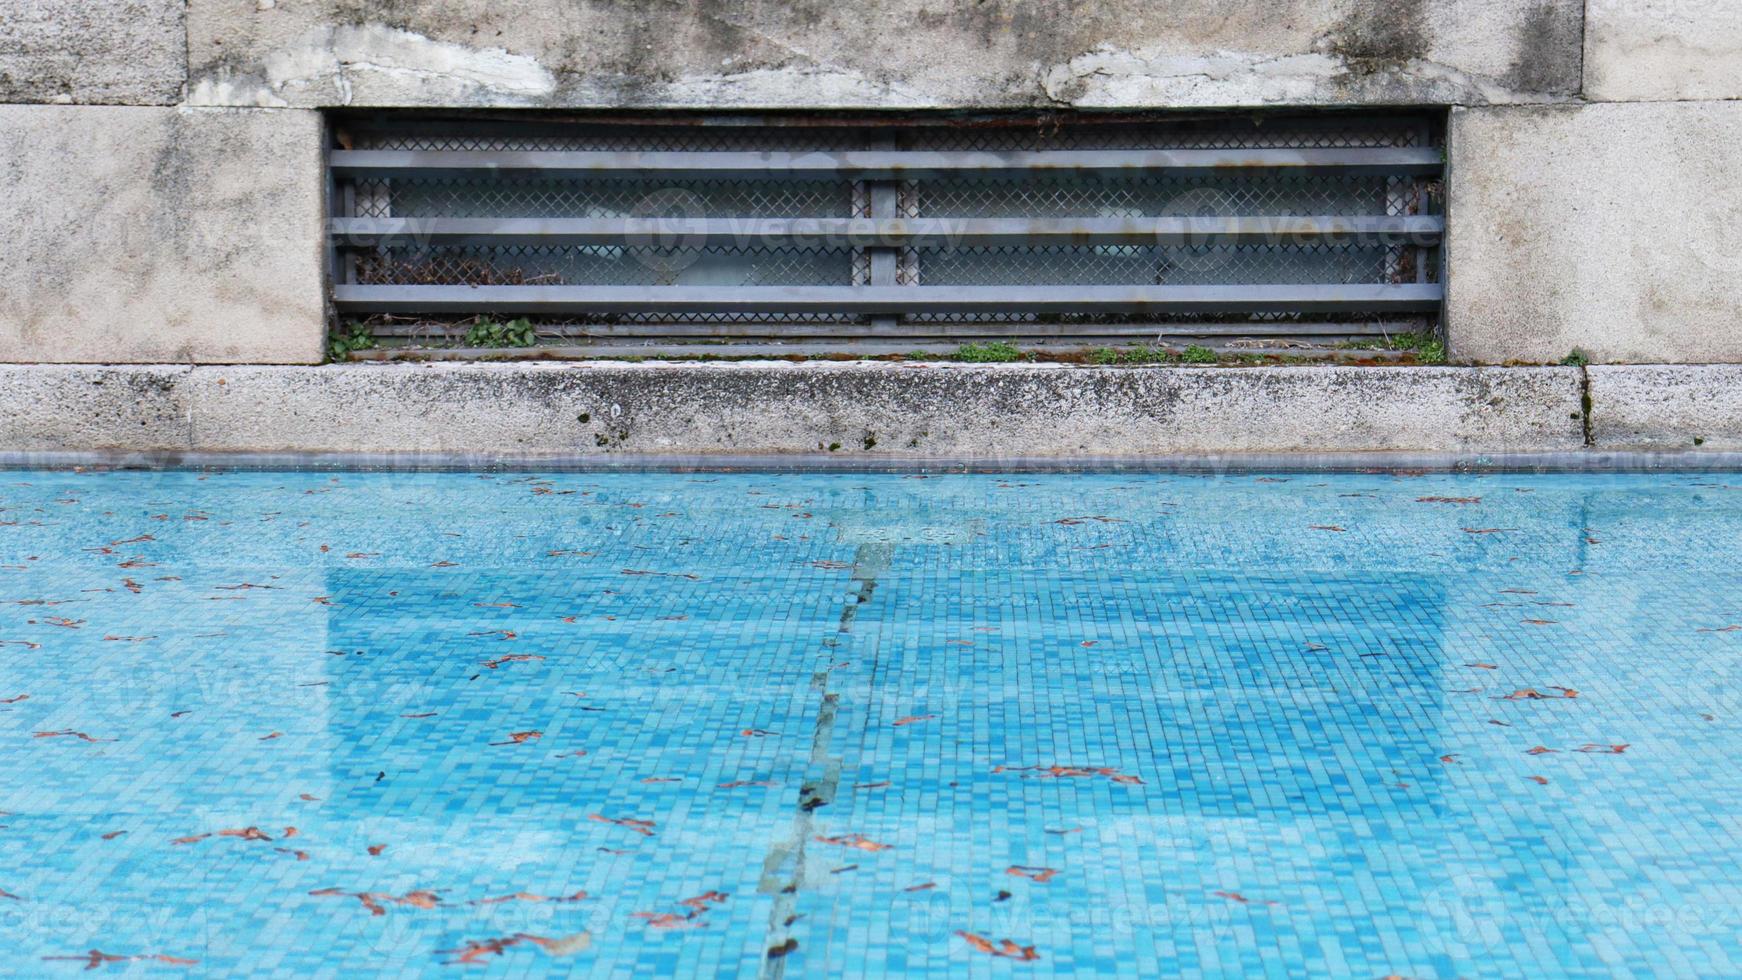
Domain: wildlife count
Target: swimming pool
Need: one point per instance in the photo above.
(870, 724)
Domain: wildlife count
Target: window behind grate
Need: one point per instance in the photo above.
(1087, 230)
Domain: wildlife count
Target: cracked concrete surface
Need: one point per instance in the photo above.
(870, 409)
(902, 54)
(1648, 50)
(113, 52)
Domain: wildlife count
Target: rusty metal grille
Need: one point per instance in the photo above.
(731, 228)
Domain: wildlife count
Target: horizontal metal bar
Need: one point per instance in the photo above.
(1343, 298)
(942, 349)
(873, 232)
(917, 329)
(877, 163)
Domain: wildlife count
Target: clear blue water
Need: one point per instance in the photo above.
(965, 726)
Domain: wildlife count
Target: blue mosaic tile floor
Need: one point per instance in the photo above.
(870, 725)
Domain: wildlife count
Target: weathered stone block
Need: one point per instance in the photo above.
(156, 234)
(59, 408)
(1664, 408)
(1663, 49)
(899, 54)
(880, 409)
(1609, 228)
(117, 52)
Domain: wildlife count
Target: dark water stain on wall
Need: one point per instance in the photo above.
(1550, 49)
(1378, 35)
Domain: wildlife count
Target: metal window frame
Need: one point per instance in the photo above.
(877, 296)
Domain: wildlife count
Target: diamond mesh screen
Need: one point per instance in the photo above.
(752, 259)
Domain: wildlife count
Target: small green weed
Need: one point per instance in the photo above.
(491, 333)
(1198, 355)
(1577, 358)
(355, 337)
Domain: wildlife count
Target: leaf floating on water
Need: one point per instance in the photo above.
(642, 827)
(96, 958)
(474, 952)
(1733, 628)
(698, 907)
(1036, 874)
(521, 738)
(1327, 527)
(1539, 780)
(856, 841)
(1008, 949)
(513, 658)
(783, 949)
(1539, 750)
(1448, 500)
(1488, 530)
(69, 733)
(1072, 772)
(377, 902)
(1237, 897)
(580, 896)
(1603, 749)
(912, 720)
(1484, 666)
(642, 571)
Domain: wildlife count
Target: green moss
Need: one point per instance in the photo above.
(1576, 358)
(1198, 355)
(1428, 349)
(992, 352)
(1133, 355)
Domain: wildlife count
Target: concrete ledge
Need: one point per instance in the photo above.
(1667, 408)
(56, 408)
(867, 409)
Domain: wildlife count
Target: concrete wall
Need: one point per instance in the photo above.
(901, 53)
(1612, 228)
(138, 234)
(1577, 222)
(1663, 50)
(115, 52)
